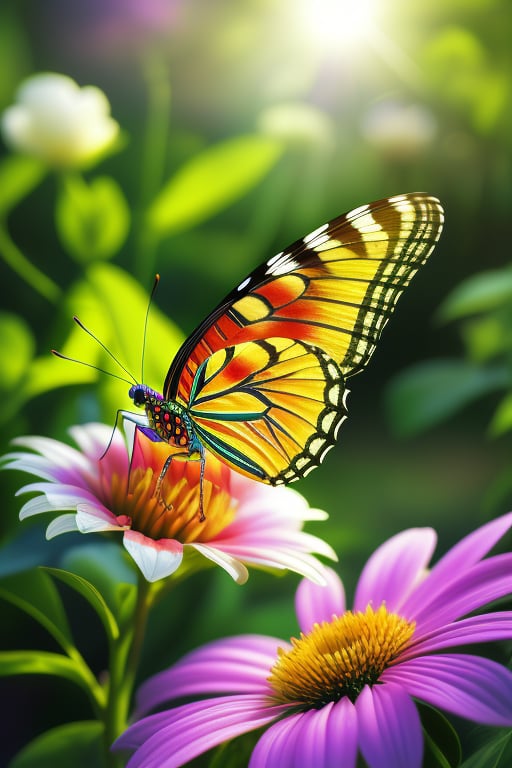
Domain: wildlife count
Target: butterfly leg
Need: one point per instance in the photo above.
(161, 476)
(163, 472)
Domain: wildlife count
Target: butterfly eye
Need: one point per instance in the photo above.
(138, 395)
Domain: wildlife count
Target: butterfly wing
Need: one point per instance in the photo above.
(270, 409)
(335, 289)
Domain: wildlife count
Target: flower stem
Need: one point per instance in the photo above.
(25, 269)
(124, 657)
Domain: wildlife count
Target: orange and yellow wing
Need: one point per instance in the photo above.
(334, 290)
(271, 409)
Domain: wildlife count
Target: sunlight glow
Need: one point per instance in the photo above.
(334, 23)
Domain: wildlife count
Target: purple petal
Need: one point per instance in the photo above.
(232, 665)
(475, 629)
(277, 745)
(469, 686)
(394, 569)
(458, 561)
(341, 736)
(389, 728)
(486, 581)
(328, 737)
(314, 603)
(323, 738)
(190, 730)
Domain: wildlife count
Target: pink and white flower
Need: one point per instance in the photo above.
(246, 522)
(350, 683)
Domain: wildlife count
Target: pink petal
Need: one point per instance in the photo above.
(156, 559)
(389, 728)
(395, 569)
(469, 686)
(190, 730)
(475, 629)
(282, 558)
(92, 439)
(458, 561)
(231, 665)
(314, 604)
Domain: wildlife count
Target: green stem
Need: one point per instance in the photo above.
(25, 269)
(124, 657)
(156, 75)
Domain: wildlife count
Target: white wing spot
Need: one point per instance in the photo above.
(274, 258)
(312, 235)
(244, 283)
(318, 241)
(358, 211)
(281, 264)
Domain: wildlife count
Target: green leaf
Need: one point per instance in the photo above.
(212, 181)
(106, 565)
(497, 753)
(93, 219)
(93, 597)
(35, 593)
(77, 744)
(16, 350)
(442, 744)
(19, 175)
(113, 305)
(488, 336)
(501, 421)
(41, 663)
(235, 753)
(479, 293)
(431, 392)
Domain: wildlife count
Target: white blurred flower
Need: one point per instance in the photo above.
(297, 123)
(59, 122)
(398, 129)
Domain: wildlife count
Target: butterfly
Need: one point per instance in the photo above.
(261, 381)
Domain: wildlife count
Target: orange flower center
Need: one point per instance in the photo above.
(169, 506)
(339, 657)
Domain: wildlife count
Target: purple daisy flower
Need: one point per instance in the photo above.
(120, 490)
(348, 685)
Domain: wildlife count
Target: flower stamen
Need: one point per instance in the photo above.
(338, 658)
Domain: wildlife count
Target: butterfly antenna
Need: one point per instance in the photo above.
(114, 358)
(151, 295)
(89, 365)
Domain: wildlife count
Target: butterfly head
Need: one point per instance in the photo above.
(142, 395)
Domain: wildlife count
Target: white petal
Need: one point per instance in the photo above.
(156, 559)
(234, 567)
(35, 507)
(94, 518)
(61, 524)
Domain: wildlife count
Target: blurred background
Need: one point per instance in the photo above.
(243, 126)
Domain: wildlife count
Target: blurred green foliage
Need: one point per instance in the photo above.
(242, 129)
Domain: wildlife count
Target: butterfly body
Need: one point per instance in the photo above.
(168, 420)
(261, 381)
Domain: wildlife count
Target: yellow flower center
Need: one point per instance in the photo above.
(168, 507)
(338, 658)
